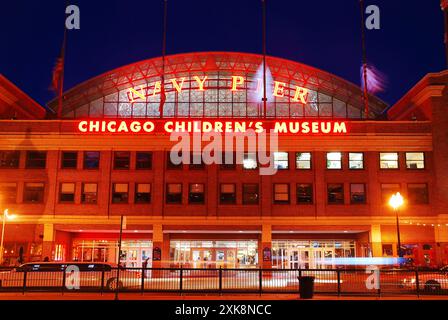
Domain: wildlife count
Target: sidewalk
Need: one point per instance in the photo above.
(148, 296)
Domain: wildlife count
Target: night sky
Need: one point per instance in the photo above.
(324, 34)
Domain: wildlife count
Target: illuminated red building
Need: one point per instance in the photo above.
(70, 180)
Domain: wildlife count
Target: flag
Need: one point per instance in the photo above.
(376, 80)
(56, 82)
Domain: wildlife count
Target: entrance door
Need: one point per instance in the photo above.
(220, 258)
(231, 258)
(317, 261)
(304, 258)
(225, 258)
(201, 258)
(293, 258)
(133, 257)
(299, 258)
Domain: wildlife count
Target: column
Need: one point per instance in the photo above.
(157, 245)
(375, 240)
(48, 241)
(265, 247)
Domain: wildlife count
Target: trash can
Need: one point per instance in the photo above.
(306, 287)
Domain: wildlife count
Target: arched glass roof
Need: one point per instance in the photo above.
(216, 85)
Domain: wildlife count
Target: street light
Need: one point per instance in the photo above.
(6, 216)
(396, 201)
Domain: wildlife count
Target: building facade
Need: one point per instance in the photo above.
(70, 180)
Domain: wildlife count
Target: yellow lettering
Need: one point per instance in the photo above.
(301, 95)
(200, 83)
(236, 81)
(176, 85)
(280, 127)
(339, 127)
(82, 126)
(169, 126)
(278, 89)
(133, 92)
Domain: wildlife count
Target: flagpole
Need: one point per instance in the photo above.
(364, 61)
(60, 87)
(263, 2)
(162, 93)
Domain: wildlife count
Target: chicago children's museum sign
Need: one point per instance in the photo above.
(169, 126)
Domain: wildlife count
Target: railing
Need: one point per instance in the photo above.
(221, 281)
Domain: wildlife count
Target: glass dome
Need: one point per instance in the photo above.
(216, 85)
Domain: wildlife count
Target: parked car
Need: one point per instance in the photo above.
(430, 281)
(51, 275)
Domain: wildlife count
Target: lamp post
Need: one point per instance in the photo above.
(6, 216)
(396, 201)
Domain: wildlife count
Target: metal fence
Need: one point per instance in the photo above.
(220, 281)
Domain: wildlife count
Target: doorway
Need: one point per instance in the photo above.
(309, 258)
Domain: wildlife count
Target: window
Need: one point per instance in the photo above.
(250, 161)
(196, 194)
(36, 159)
(120, 193)
(304, 193)
(174, 193)
(170, 165)
(8, 192)
(69, 159)
(281, 160)
(143, 161)
(250, 193)
(91, 159)
(196, 162)
(228, 193)
(89, 193)
(142, 193)
(418, 193)
(303, 160)
(389, 160)
(122, 160)
(335, 193)
(387, 190)
(9, 159)
(355, 160)
(357, 193)
(281, 193)
(34, 192)
(415, 160)
(67, 192)
(334, 160)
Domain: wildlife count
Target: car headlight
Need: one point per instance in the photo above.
(412, 280)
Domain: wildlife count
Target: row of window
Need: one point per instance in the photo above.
(143, 160)
(417, 193)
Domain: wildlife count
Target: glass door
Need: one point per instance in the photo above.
(201, 258)
(293, 258)
(230, 258)
(304, 258)
(130, 257)
(220, 258)
(319, 256)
